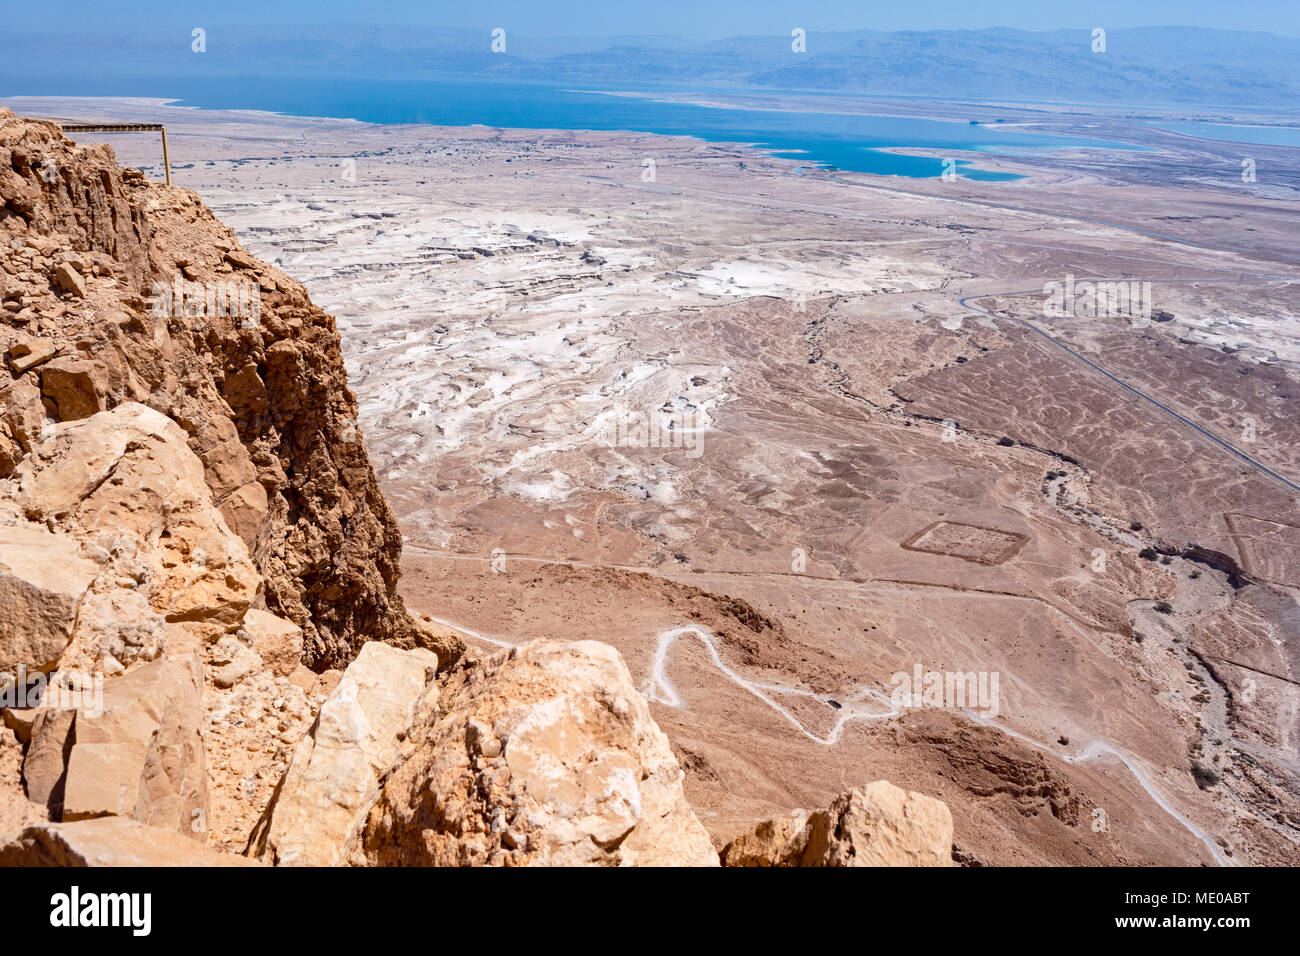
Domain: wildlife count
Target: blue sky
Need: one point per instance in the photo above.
(688, 18)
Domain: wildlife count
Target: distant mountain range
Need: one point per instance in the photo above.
(1150, 65)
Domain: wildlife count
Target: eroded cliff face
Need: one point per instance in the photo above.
(116, 289)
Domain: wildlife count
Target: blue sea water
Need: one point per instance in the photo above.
(853, 142)
(1235, 133)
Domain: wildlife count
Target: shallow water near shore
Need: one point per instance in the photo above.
(849, 141)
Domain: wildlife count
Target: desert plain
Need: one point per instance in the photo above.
(780, 434)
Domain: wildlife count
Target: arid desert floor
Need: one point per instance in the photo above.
(780, 433)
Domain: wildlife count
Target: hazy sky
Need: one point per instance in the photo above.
(688, 18)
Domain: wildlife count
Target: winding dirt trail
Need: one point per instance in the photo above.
(866, 703)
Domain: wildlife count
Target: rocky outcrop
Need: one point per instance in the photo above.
(117, 562)
(43, 579)
(275, 641)
(129, 509)
(545, 755)
(316, 815)
(118, 290)
(876, 825)
(141, 754)
(109, 841)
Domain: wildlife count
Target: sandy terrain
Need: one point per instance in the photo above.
(780, 434)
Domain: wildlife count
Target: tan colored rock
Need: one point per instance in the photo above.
(108, 841)
(142, 756)
(46, 758)
(11, 453)
(245, 510)
(85, 452)
(228, 467)
(76, 387)
(277, 642)
(876, 825)
(157, 500)
(304, 678)
(320, 807)
(770, 843)
(68, 279)
(43, 580)
(120, 624)
(104, 778)
(548, 756)
(21, 410)
(20, 721)
(235, 661)
(325, 683)
(28, 352)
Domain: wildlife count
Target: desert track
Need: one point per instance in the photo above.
(660, 689)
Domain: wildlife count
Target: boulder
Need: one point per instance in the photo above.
(28, 352)
(547, 756)
(43, 580)
(21, 410)
(45, 763)
(86, 452)
(120, 624)
(316, 816)
(876, 825)
(108, 841)
(278, 642)
(235, 661)
(128, 475)
(140, 754)
(77, 388)
(68, 279)
(771, 843)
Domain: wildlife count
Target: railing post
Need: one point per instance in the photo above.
(167, 166)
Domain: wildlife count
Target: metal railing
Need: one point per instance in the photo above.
(125, 128)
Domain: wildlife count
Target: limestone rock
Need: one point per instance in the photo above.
(108, 841)
(83, 455)
(547, 756)
(245, 510)
(27, 353)
(876, 825)
(127, 479)
(20, 721)
(235, 661)
(770, 843)
(317, 813)
(141, 755)
(120, 624)
(69, 279)
(77, 388)
(21, 410)
(46, 759)
(42, 582)
(277, 642)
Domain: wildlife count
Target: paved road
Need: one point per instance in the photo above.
(966, 302)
